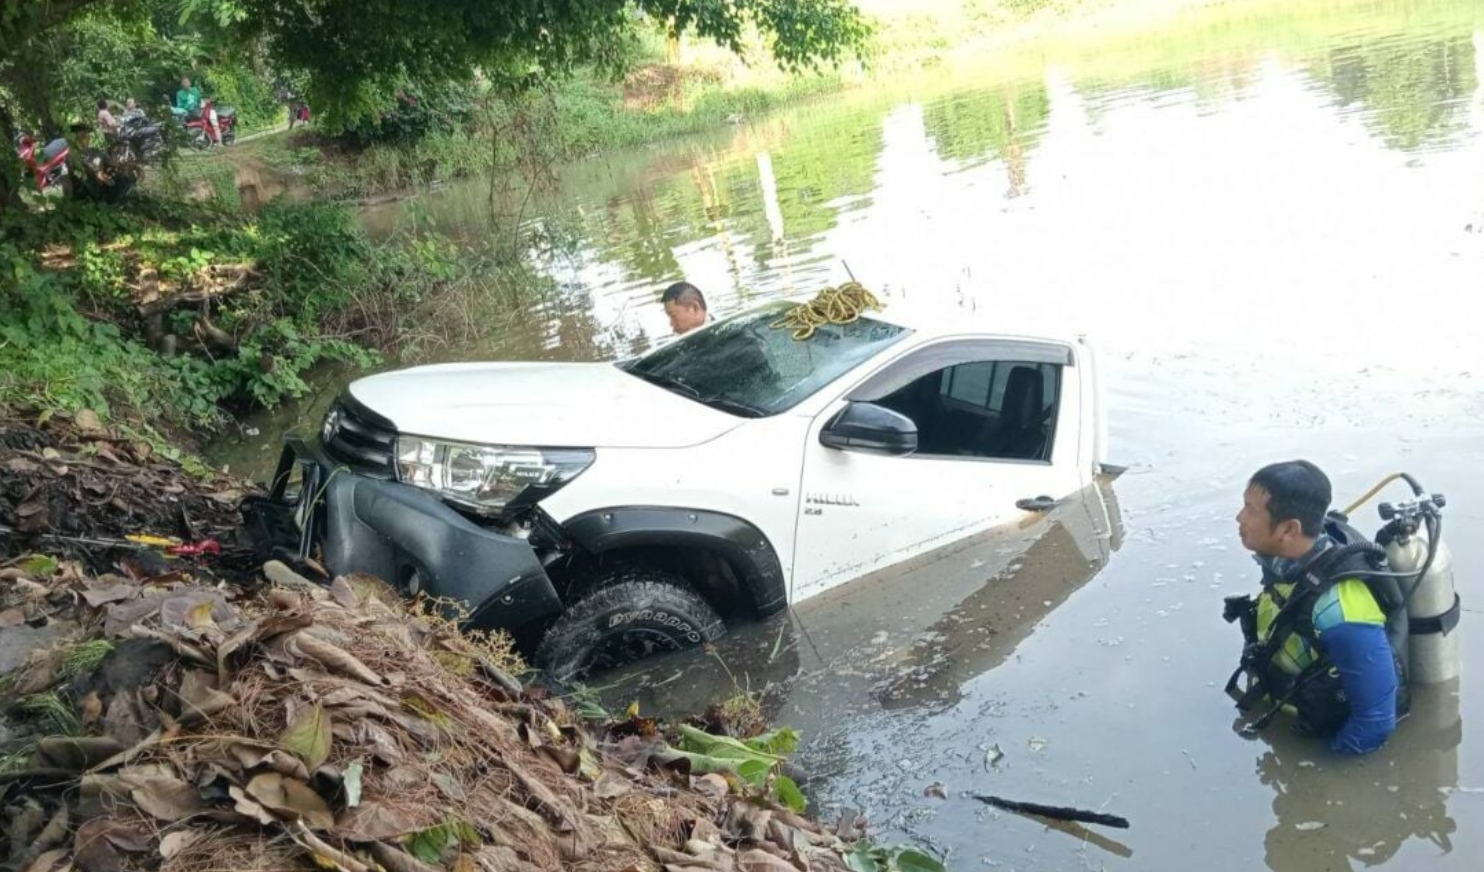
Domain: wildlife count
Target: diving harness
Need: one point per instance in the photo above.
(1408, 572)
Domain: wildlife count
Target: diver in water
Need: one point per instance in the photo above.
(1324, 637)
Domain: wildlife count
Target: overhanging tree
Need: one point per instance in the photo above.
(354, 51)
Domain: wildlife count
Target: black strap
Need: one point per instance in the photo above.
(1443, 623)
(1311, 672)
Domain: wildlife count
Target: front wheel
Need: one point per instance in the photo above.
(629, 614)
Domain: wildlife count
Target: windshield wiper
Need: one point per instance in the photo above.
(668, 382)
(735, 406)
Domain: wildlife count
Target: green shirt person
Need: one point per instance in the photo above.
(188, 98)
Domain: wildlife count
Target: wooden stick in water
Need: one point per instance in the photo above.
(1055, 812)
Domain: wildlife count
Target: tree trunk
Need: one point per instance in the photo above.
(672, 44)
(10, 167)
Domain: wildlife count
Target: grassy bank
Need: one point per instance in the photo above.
(186, 313)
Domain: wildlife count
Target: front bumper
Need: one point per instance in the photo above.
(401, 534)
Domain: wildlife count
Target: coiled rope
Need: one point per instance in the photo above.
(838, 305)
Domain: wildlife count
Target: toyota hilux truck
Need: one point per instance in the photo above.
(601, 512)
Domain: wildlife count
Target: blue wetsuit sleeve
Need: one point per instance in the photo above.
(1362, 655)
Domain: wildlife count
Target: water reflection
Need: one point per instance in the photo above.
(1330, 812)
(904, 639)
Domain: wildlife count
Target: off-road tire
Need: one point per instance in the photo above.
(626, 614)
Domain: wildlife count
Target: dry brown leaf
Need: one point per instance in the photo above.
(761, 861)
(308, 736)
(246, 806)
(199, 697)
(51, 861)
(54, 833)
(373, 821)
(97, 844)
(172, 844)
(125, 615)
(333, 657)
(610, 786)
(252, 756)
(166, 798)
(88, 423)
(76, 753)
(291, 799)
(90, 709)
(193, 614)
(397, 860)
(499, 859)
(254, 632)
(123, 720)
(101, 596)
(12, 618)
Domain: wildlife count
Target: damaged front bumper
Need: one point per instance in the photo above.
(354, 523)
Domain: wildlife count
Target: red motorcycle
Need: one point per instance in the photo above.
(208, 125)
(46, 164)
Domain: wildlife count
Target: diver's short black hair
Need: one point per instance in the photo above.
(684, 293)
(1296, 489)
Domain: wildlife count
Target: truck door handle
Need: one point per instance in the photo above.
(1036, 504)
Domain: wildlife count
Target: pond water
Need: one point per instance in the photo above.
(1270, 216)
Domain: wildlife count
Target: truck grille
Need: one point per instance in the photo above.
(361, 439)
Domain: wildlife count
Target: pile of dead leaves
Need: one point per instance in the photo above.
(70, 485)
(184, 726)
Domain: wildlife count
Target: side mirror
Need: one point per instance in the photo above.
(869, 427)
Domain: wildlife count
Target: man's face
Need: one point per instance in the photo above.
(129, 103)
(1255, 525)
(684, 317)
(185, 83)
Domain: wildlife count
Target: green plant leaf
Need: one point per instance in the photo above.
(790, 795)
(352, 777)
(909, 860)
(40, 565)
(782, 741)
(427, 845)
(862, 860)
(754, 772)
(308, 736)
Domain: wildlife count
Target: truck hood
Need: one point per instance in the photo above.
(551, 405)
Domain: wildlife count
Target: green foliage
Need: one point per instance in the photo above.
(756, 762)
(415, 113)
(429, 845)
(231, 81)
(868, 857)
(51, 714)
(70, 336)
(84, 657)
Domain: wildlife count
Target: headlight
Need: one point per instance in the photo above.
(487, 478)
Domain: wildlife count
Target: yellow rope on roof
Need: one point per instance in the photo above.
(839, 305)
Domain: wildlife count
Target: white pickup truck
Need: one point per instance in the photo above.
(603, 511)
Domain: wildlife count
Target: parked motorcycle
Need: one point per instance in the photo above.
(138, 140)
(46, 164)
(209, 125)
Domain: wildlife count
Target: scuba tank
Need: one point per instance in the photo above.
(1415, 550)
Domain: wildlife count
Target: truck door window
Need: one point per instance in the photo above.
(1001, 409)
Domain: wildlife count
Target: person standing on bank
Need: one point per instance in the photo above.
(1317, 634)
(685, 305)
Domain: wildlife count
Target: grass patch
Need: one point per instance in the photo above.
(84, 657)
(51, 714)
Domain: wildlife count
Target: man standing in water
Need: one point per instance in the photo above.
(685, 306)
(1317, 634)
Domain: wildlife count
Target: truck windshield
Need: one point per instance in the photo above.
(747, 367)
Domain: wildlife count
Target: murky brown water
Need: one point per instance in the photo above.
(1271, 217)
